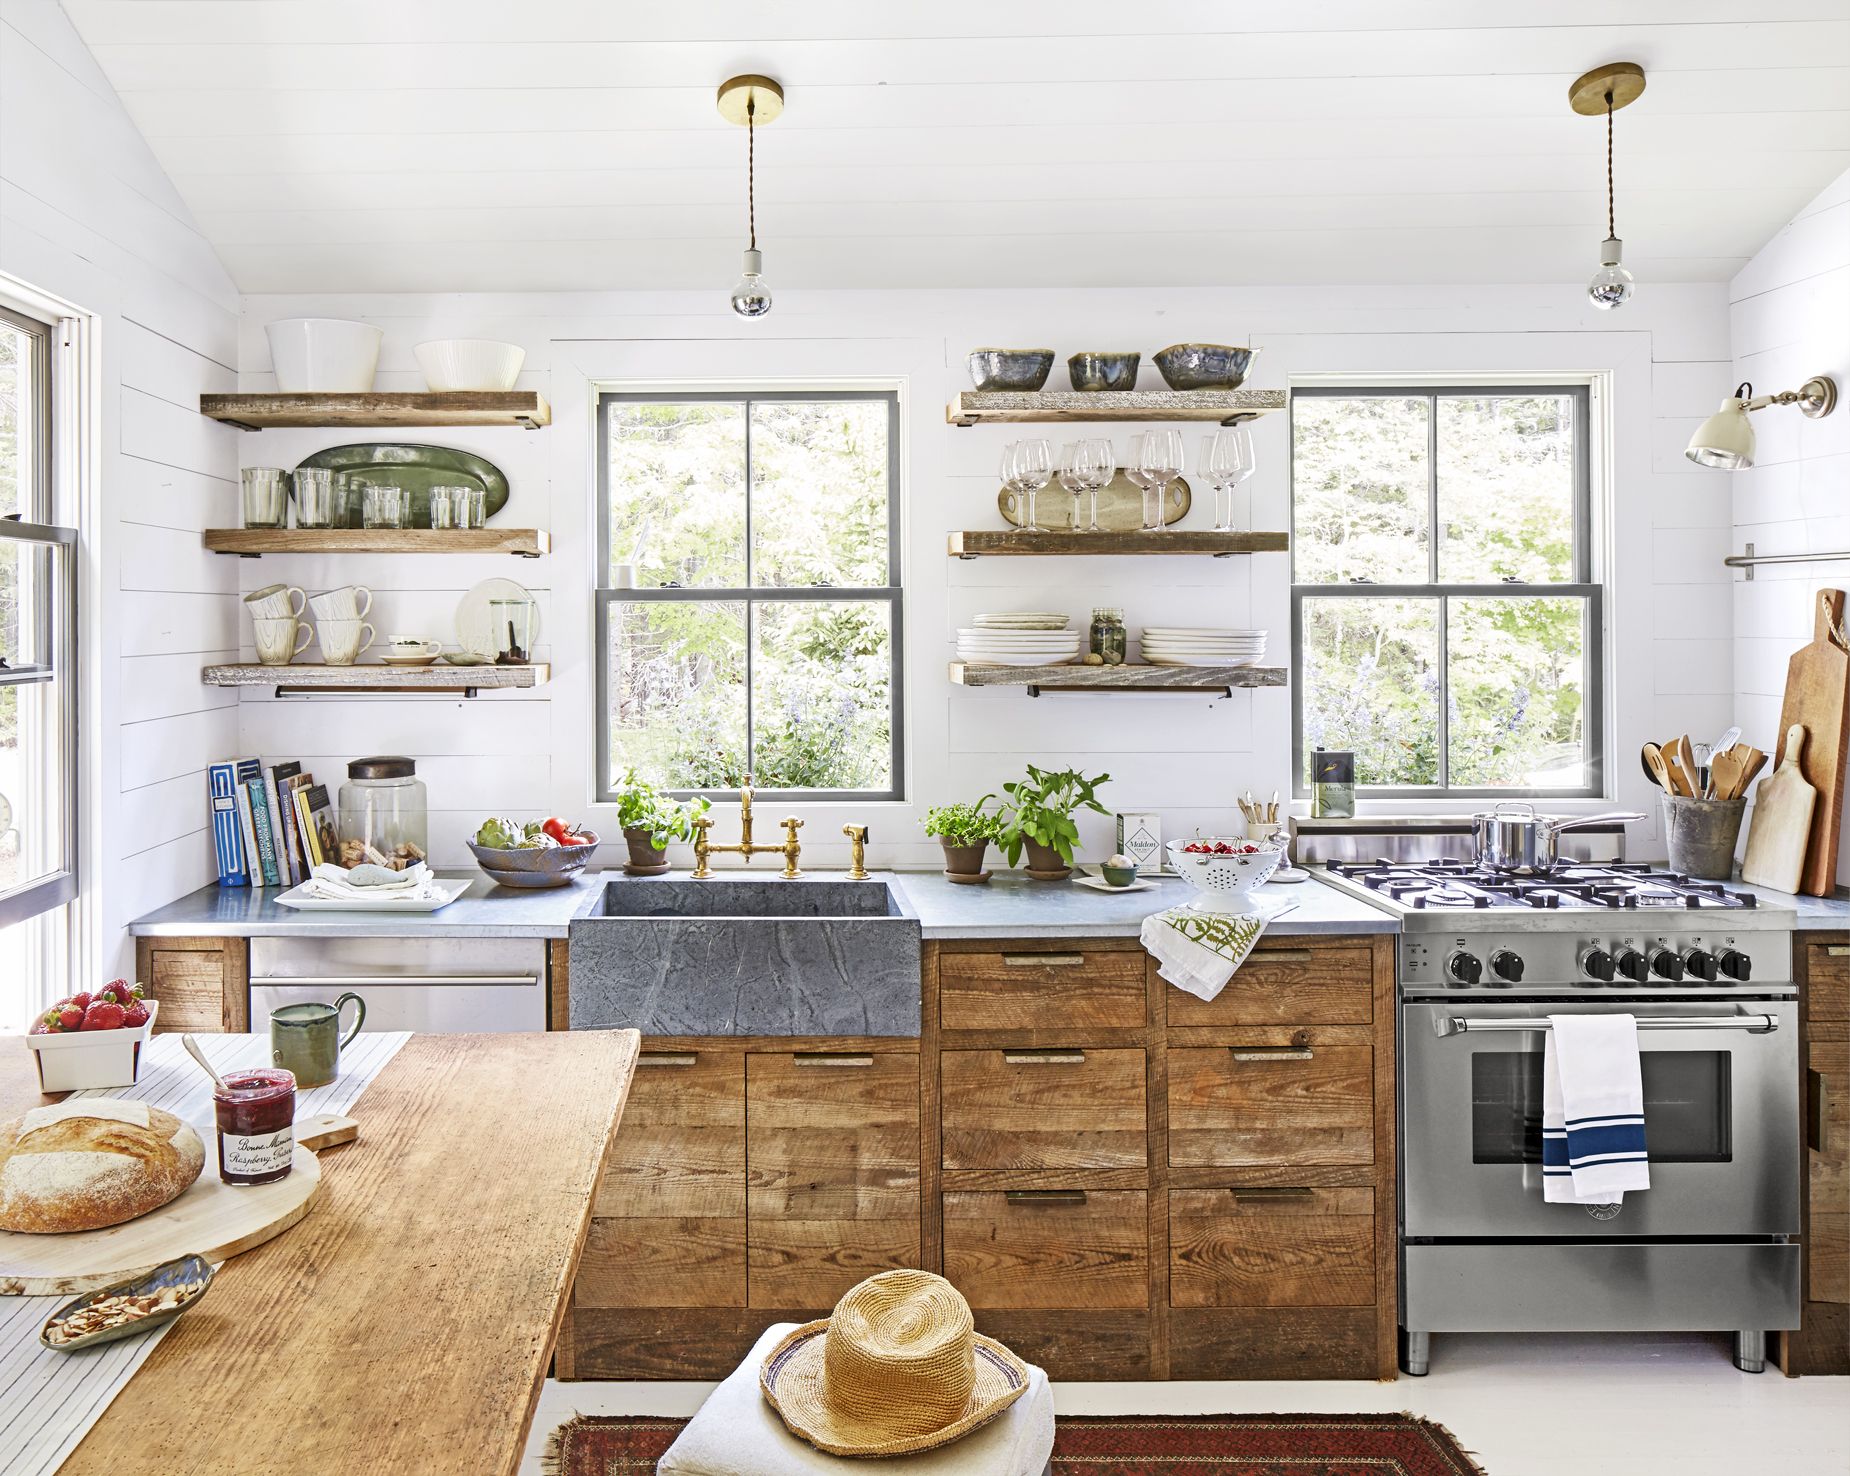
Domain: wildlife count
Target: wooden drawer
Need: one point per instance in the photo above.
(1827, 981)
(191, 988)
(1042, 989)
(1049, 1248)
(1038, 1109)
(1318, 984)
(832, 1144)
(1252, 1105)
(1827, 1137)
(680, 1150)
(1271, 1247)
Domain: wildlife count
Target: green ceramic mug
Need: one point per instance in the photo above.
(305, 1039)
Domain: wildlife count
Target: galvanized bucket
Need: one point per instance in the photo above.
(1700, 835)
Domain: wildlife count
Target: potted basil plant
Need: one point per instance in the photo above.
(650, 819)
(964, 831)
(1040, 819)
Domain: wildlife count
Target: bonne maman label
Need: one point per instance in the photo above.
(255, 1156)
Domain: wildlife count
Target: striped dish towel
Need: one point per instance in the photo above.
(1593, 1147)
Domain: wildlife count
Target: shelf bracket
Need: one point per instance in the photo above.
(280, 691)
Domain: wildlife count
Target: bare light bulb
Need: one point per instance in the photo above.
(751, 294)
(1611, 286)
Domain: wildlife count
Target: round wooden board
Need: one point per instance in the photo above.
(212, 1219)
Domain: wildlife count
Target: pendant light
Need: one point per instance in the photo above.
(1605, 90)
(751, 100)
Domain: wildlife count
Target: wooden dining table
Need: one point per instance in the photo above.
(405, 1325)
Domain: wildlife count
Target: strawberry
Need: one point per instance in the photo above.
(70, 1018)
(103, 1014)
(82, 1001)
(135, 1015)
(39, 1027)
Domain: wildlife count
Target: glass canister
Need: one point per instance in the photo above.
(1108, 641)
(384, 814)
(512, 621)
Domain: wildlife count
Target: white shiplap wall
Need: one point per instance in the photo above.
(87, 215)
(1666, 532)
(1790, 312)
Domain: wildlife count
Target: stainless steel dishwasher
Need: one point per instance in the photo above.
(449, 986)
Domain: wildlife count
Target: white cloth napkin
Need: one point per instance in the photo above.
(1593, 1147)
(1198, 952)
(415, 883)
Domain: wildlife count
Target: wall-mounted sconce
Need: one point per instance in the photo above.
(1726, 438)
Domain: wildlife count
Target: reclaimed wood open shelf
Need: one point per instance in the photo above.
(1014, 407)
(1127, 678)
(525, 408)
(253, 543)
(301, 679)
(978, 543)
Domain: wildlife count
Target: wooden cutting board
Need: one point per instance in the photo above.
(1783, 806)
(212, 1218)
(1818, 700)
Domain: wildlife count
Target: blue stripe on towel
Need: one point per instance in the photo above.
(1617, 1138)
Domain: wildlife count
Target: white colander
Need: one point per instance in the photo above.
(1224, 883)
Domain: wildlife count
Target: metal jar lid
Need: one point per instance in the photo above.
(385, 766)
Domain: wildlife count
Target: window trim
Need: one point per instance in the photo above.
(1584, 585)
(892, 592)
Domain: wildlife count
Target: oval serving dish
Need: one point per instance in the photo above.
(194, 1270)
(417, 469)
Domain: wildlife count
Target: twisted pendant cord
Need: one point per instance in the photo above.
(751, 166)
(1610, 231)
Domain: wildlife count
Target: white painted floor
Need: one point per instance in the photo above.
(1530, 1405)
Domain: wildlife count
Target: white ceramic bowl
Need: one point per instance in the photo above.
(470, 363)
(323, 355)
(76, 1061)
(1224, 883)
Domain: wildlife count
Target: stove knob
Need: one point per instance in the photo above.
(1506, 965)
(1631, 964)
(1699, 963)
(1736, 965)
(1464, 968)
(1666, 965)
(1596, 964)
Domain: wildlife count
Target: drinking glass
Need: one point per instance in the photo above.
(1226, 461)
(1137, 473)
(449, 507)
(314, 497)
(1162, 463)
(384, 506)
(475, 515)
(1032, 469)
(1104, 466)
(266, 497)
(1075, 473)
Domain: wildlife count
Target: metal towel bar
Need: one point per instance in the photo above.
(1765, 1024)
(1750, 559)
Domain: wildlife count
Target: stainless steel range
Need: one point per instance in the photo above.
(1485, 958)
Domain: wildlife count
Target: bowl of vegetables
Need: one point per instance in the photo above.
(1224, 872)
(532, 853)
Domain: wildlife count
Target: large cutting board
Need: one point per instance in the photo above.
(1818, 700)
(211, 1218)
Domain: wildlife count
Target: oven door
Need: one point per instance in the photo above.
(1720, 1117)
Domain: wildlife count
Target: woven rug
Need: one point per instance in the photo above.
(1111, 1445)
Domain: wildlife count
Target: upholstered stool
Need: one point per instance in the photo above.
(737, 1434)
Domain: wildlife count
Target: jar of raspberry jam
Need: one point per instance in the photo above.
(256, 1125)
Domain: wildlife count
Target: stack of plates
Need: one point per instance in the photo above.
(1032, 647)
(1173, 645)
(1023, 620)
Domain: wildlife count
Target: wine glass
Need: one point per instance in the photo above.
(1226, 461)
(1137, 471)
(1075, 471)
(1160, 458)
(1033, 468)
(1104, 468)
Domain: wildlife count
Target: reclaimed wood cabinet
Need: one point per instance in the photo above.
(1821, 1342)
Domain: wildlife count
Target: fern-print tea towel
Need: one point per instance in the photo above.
(1199, 951)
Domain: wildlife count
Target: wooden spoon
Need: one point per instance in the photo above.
(1725, 774)
(1660, 771)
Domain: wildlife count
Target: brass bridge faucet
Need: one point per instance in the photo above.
(704, 847)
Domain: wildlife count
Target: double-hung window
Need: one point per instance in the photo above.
(1446, 624)
(748, 615)
(38, 725)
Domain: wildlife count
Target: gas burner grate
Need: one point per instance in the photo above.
(1610, 885)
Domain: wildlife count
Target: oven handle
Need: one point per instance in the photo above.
(339, 981)
(1444, 1025)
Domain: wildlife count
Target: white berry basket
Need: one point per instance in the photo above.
(1224, 883)
(77, 1060)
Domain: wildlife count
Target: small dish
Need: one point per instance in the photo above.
(1117, 876)
(466, 658)
(1198, 366)
(1093, 371)
(1099, 884)
(188, 1271)
(390, 660)
(1010, 369)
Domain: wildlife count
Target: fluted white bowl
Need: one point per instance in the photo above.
(470, 363)
(323, 355)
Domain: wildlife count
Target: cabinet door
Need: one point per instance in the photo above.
(1049, 1248)
(1065, 1108)
(832, 1143)
(1271, 1247)
(668, 1223)
(1827, 1096)
(199, 989)
(1042, 989)
(1266, 1104)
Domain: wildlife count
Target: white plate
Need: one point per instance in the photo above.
(448, 890)
(1199, 660)
(1210, 632)
(1012, 661)
(475, 628)
(1099, 884)
(978, 633)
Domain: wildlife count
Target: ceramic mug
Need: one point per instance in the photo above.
(342, 641)
(407, 648)
(305, 1039)
(275, 601)
(277, 643)
(349, 602)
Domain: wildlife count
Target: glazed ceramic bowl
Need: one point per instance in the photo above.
(323, 355)
(1099, 371)
(451, 364)
(1010, 369)
(1118, 876)
(1224, 883)
(1196, 366)
(187, 1271)
(554, 866)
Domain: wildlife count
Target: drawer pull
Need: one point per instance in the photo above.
(1271, 1053)
(1043, 960)
(1044, 1196)
(1837, 950)
(828, 1058)
(1283, 955)
(1817, 1110)
(1054, 1057)
(1268, 1193)
(667, 1058)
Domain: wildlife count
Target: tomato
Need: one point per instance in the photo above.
(573, 838)
(556, 828)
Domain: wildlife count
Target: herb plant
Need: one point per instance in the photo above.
(1041, 809)
(641, 806)
(964, 824)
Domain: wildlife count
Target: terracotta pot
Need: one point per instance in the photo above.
(644, 859)
(1045, 863)
(964, 861)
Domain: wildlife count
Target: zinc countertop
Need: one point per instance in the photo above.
(1007, 906)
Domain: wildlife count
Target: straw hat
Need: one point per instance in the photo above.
(896, 1368)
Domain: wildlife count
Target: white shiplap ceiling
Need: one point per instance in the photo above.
(435, 145)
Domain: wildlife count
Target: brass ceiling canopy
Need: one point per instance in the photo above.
(1587, 94)
(764, 94)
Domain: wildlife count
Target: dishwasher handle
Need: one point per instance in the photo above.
(348, 981)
